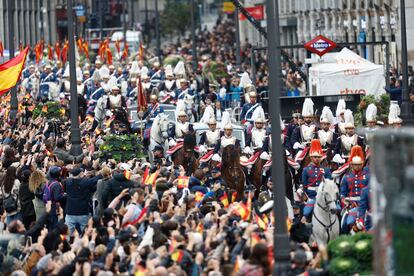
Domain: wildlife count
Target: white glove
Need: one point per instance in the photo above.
(338, 159)
(265, 156)
(108, 113)
(216, 158)
(161, 94)
(297, 146)
(202, 149)
(247, 150)
(172, 143)
(172, 94)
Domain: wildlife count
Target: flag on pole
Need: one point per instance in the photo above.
(152, 178)
(86, 49)
(141, 52)
(117, 46)
(49, 52)
(233, 197)
(141, 100)
(57, 49)
(11, 70)
(1, 49)
(125, 51)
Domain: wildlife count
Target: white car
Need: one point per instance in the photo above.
(238, 132)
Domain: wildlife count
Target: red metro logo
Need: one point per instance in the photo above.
(320, 45)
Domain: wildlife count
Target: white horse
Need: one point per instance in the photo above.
(100, 109)
(190, 107)
(325, 221)
(159, 133)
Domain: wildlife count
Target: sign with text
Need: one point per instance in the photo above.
(320, 45)
(257, 12)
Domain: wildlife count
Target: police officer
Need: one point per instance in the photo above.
(227, 139)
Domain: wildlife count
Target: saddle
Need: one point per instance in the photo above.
(341, 170)
(292, 163)
(207, 157)
(251, 160)
(175, 148)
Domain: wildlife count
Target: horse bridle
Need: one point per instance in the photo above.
(326, 209)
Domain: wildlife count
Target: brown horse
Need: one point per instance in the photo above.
(258, 180)
(186, 156)
(232, 171)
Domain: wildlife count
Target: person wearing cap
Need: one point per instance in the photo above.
(303, 134)
(209, 138)
(315, 172)
(79, 190)
(227, 139)
(249, 108)
(180, 128)
(351, 186)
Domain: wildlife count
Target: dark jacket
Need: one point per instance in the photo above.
(115, 187)
(78, 195)
(66, 157)
(57, 195)
(26, 203)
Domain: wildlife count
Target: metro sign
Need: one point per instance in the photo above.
(320, 45)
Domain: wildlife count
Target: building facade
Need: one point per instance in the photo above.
(342, 21)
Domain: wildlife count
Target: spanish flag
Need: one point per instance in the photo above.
(11, 70)
(233, 197)
(242, 211)
(261, 222)
(224, 200)
(127, 175)
(152, 178)
(199, 196)
(177, 256)
(183, 182)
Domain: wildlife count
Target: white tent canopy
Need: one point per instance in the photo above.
(346, 73)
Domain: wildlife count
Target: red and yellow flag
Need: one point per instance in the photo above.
(183, 182)
(127, 174)
(86, 49)
(145, 175)
(57, 49)
(125, 51)
(200, 228)
(224, 199)
(117, 46)
(177, 256)
(255, 239)
(233, 197)
(199, 196)
(11, 70)
(49, 52)
(141, 52)
(261, 222)
(242, 210)
(152, 178)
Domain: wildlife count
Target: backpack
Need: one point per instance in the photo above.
(9, 202)
(47, 192)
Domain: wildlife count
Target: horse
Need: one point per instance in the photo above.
(258, 176)
(325, 221)
(186, 156)
(190, 108)
(158, 133)
(232, 171)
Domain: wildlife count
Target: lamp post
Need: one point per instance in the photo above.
(405, 104)
(281, 239)
(236, 24)
(13, 92)
(193, 36)
(74, 131)
(157, 31)
(124, 6)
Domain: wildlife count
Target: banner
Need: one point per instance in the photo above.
(256, 12)
(10, 71)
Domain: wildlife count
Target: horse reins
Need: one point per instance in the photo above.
(327, 227)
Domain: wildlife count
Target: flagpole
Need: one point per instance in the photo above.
(74, 116)
(281, 248)
(13, 92)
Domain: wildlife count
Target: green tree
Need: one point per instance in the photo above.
(176, 18)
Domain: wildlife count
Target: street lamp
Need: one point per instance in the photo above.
(74, 131)
(405, 104)
(193, 36)
(157, 32)
(236, 24)
(281, 239)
